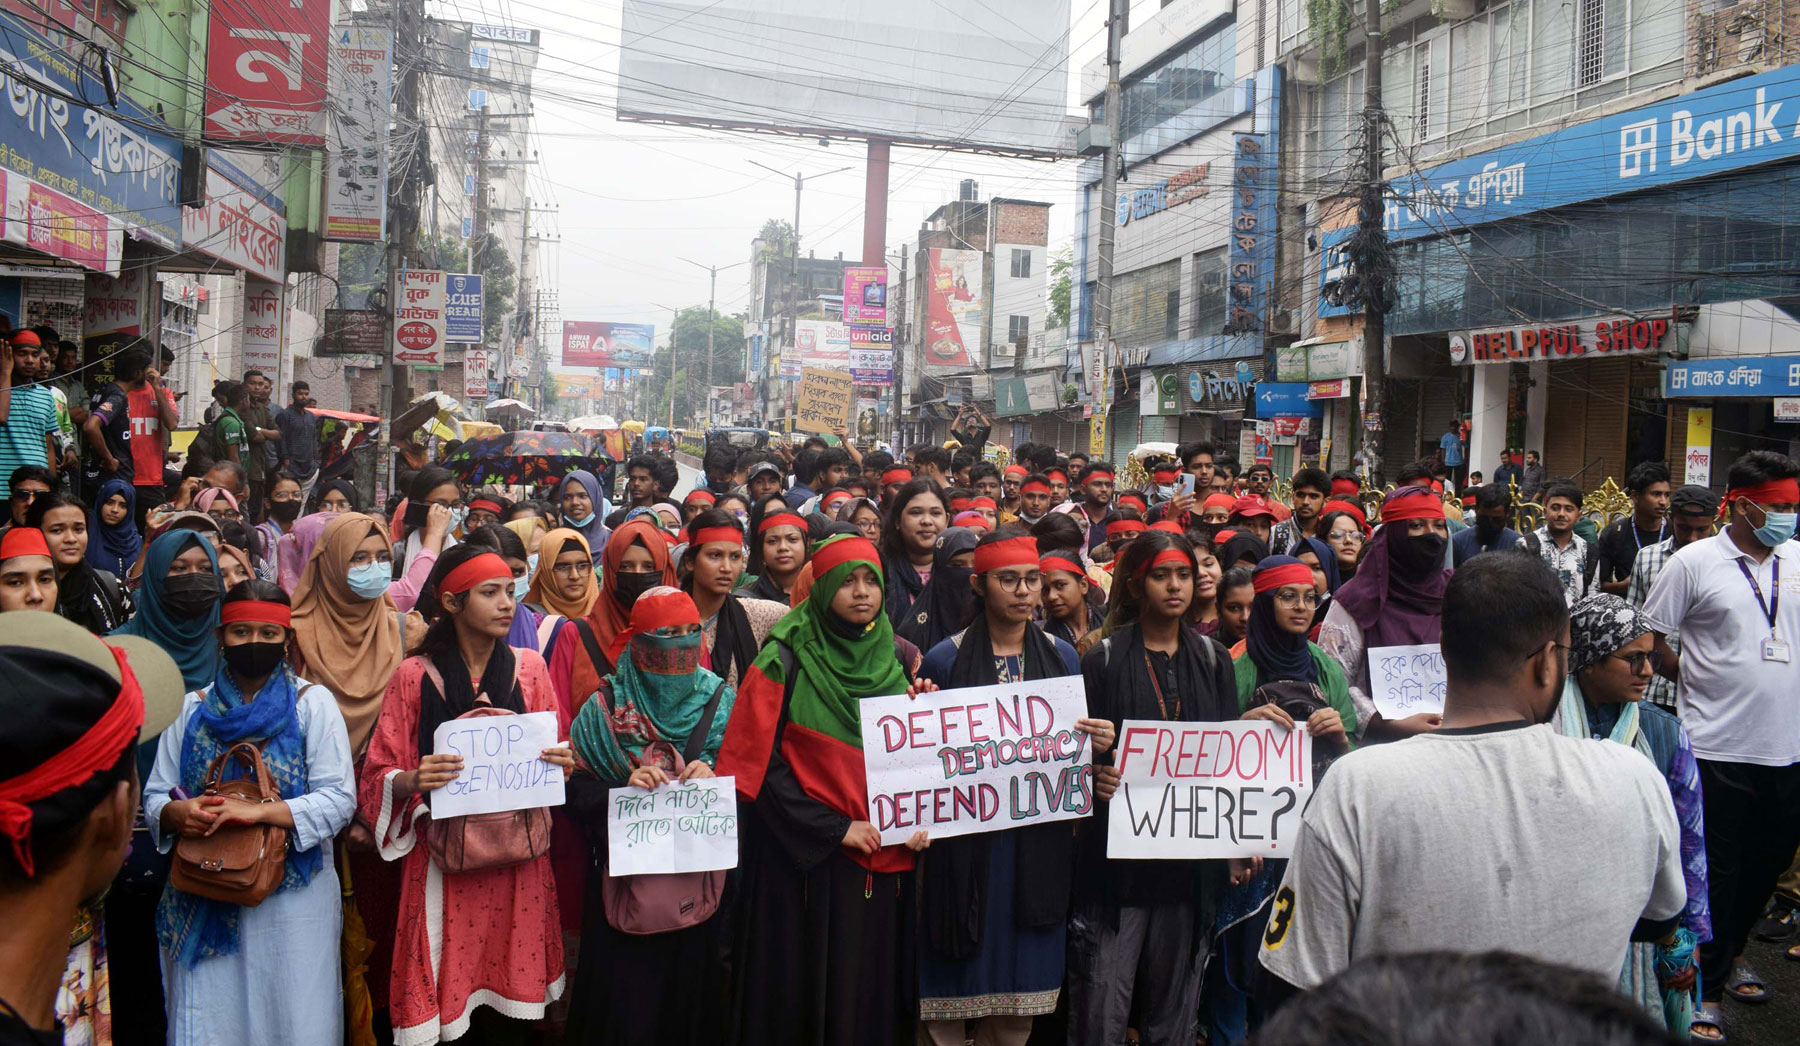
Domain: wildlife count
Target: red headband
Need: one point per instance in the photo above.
(96, 750)
(1167, 555)
(960, 504)
(1272, 578)
(834, 554)
(1017, 470)
(706, 535)
(1222, 536)
(1125, 526)
(835, 496)
(984, 502)
(1341, 487)
(1058, 474)
(486, 567)
(1774, 492)
(700, 495)
(1165, 475)
(1221, 500)
(892, 476)
(259, 611)
(484, 505)
(1133, 499)
(1036, 486)
(1059, 561)
(780, 519)
(1013, 552)
(23, 541)
(970, 519)
(1168, 526)
(1422, 505)
(1349, 509)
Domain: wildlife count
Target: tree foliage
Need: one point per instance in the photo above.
(1062, 286)
(689, 361)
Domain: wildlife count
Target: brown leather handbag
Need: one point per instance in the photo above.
(478, 842)
(237, 864)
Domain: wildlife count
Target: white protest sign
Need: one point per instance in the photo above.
(979, 759)
(1406, 680)
(502, 765)
(687, 826)
(1203, 790)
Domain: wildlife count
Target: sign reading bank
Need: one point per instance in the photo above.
(1750, 121)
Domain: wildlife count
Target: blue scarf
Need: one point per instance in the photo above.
(189, 641)
(113, 547)
(191, 927)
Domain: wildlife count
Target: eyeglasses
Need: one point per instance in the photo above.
(1346, 535)
(573, 569)
(1018, 582)
(28, 495)
(1638, 659)
(1298, 597)
(228, 513)
(363, 559)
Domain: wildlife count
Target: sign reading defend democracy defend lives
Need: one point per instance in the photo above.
(1206, 790)
(978, 759)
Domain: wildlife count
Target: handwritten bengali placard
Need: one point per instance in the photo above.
(977, 759)
(1406, 680)
(1208, 790)
(689, 826)
(503, 766)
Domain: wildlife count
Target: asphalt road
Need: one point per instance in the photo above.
(1776, 1022)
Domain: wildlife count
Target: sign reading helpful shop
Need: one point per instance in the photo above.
(1606, 336)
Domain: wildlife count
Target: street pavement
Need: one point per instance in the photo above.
(1776, 1022)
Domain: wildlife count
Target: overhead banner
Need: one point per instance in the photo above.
(589, 343)
(463, 309)
(266, 64)
(265, 316)
(823, 344)
(356, 162)
(977, 759)
(865, 296)
(240, 224)
(419, 317)
(1208, 790)
(953, 308)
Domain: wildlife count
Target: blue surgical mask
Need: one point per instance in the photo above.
(371, 579)
(531, 563)
(579, 523)
(1777, 527)
(457, 517)
(521, 585)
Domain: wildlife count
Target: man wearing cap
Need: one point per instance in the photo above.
(74, 713)
(1735, 598)
(762, 481)
(28, 426)
(1692, 509)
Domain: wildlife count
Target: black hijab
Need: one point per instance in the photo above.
(499, 682)
(944, 606)
(1243, 545)
(954, 872)
(734, 642)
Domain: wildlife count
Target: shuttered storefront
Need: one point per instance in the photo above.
(1584, 427)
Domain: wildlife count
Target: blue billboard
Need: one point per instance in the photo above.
(462, 309)
(1739, 377)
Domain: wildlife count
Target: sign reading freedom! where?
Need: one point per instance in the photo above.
(1206, 790)
(978, 759)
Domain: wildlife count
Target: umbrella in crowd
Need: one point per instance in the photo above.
(340, 433)
(527, 458)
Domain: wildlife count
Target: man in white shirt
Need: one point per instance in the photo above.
(1492, 832)
(1735, 599)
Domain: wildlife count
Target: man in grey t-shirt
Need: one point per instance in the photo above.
(1493, 832)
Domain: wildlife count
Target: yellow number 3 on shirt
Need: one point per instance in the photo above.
(1281, 919)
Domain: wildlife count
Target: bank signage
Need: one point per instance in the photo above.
(1749, 121)
(1576, 339)
(1172, 191)
(1741, 378)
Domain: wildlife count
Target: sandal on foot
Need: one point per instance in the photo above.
(1793, 953)
(1782, 923)
(1707, 1016)
(1745, 986)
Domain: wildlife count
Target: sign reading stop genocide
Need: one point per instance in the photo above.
(419, 317)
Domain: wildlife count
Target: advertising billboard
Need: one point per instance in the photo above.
(266, 71)
(992, 75)
(463, 301)
(419, 317)
(597, 343)
(356, 163)
(953, 309)
(865, 296)
(823, 344)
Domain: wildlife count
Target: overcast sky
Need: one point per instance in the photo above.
(633, 199)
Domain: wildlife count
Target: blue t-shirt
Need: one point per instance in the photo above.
(1465, 544)
(1451, 445)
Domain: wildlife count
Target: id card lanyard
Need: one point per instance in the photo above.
(1773, 648)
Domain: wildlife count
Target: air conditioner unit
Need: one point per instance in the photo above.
(1283, 321)
(1092, 140)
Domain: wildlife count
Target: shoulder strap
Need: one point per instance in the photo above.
(703, 729)
(602, 666)
(431, 671)
(1106, 652)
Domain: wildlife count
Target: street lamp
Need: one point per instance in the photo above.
(712, 317)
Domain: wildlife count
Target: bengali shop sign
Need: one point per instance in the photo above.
(475, 373)
(43, 219)
(356, 163)
(419, 317)
(266, 71)
(240, 223)
(463, 309)
(264, 315)
(977, 759)
(1206, 790)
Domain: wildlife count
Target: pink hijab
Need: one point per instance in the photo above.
(205, 500)
(296, 547)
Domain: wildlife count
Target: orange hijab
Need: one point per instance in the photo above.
(544, 591)
(608, 619)
(349, 644)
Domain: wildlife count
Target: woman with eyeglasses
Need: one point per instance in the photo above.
(1611, 661)
(563, 585)
(864, 514)
(994, 906)
(218, 503)
(1344, 535)
(734, 624)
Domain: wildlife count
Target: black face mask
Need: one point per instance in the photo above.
(630, 586)
(284, 511)
(190, 595)
(254, 660)
(1421, 553)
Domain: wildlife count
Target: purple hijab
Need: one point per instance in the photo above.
(296, 547)
(1395, 602)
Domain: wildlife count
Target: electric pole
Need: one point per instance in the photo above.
(1118, 13)
(712, 317)
(1371, 261)
(793, 289)
(404, 203)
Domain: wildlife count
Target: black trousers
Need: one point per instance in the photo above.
(1752, 830)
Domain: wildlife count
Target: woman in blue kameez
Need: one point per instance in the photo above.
(268, 973)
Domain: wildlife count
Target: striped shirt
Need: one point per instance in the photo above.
(30, 418)
(1644, 569)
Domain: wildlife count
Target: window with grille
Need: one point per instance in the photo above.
(1591, 32)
